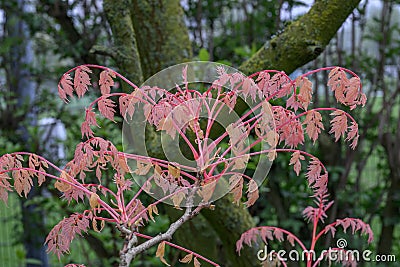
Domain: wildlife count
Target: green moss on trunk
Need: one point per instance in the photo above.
(302, 40)
(125, 49)
(230, 221)
(161, 33)
(197, 235)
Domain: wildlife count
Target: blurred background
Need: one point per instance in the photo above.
(41, 39)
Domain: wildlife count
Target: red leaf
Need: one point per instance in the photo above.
(81, 80)
(339, 124)
(106, 108)
(61, 236)
(314, 124)
(65, 87)
(106, 81)
(236, 187)
(86, 130)
(252, 193)
(295, 160)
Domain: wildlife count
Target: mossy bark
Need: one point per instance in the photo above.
(230, 221)
(125, 51)
(198, 236)
(162, 36)
(302, 40)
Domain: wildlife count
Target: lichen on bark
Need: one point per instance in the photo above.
(162, 36)
(125, 49)
(302, 40)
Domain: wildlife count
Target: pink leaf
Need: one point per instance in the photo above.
(295, 160)
(127, 105)
(339, 124)
(81, 80)
(313, 124)
(86, 130)
(278, 234)
(236, 187)
(65, 87)
(252, 193)
(290, 238)
(106, 108)
(353, 134)
(91, 117)
(106, 81)
(304, 95)
(61, 236)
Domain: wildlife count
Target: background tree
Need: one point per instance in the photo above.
(287, 51)
(77, 32)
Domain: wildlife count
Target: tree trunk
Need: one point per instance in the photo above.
(125, 51)
(162, 41)
(17, 64)
(161, 34)
(390, 216)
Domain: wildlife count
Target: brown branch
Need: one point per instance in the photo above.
(59, 11)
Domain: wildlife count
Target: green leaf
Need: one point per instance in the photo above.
(204, 55)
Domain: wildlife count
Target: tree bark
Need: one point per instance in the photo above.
(125, 51)
(162, 37)
(302, 40)
(390, 216)
(229, 221)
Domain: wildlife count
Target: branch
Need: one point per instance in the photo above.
(59, 10)
(302, 40)
(130, 252)
(104, 51)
